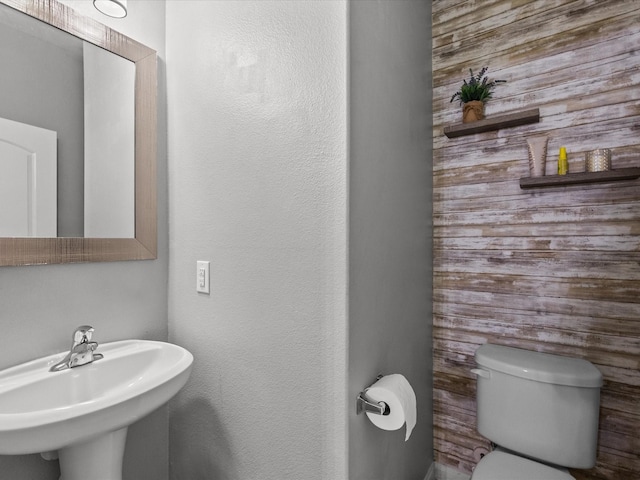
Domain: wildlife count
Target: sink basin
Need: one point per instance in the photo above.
(86, 410)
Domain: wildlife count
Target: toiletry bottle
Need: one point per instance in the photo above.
(563, 165)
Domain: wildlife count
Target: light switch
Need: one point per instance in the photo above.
(202, 276)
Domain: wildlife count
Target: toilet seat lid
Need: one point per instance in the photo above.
(499, 465)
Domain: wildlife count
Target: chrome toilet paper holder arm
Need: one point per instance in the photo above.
(364, 404)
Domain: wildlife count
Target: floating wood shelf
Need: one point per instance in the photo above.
(577, 178)
(494, 123)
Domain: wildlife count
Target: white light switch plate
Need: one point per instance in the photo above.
(202, 276)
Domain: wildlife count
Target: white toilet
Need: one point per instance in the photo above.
(540, 410)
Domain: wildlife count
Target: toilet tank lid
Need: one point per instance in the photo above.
(537, 366)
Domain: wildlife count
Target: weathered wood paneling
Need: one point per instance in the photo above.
(555, 269)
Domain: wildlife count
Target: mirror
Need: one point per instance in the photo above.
(135, 118)
(67, 150)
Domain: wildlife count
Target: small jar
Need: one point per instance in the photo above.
(598, 160)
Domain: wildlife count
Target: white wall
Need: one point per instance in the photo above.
(390, 191)
(257, 185)
(41, 305)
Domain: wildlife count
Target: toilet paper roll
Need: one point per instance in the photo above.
(396, 392)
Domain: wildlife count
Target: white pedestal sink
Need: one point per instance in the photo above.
(83, 413)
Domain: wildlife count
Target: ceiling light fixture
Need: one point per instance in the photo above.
(112, 8)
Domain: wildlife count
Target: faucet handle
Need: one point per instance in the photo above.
(82, 334)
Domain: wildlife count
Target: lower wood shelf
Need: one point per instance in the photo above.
(577, 178)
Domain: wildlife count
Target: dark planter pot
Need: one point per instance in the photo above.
(472, 111)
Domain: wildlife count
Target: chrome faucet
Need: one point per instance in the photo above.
(81, 352)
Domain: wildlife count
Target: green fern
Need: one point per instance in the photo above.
(479, 87)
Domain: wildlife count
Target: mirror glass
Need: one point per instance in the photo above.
(77, 138)
(81, 184)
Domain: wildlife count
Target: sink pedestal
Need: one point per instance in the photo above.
(98, 458)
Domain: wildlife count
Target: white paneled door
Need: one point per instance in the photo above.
(28, 180)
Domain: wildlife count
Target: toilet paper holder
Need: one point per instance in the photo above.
(364, 404)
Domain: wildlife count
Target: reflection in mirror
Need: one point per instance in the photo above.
(109, 83)
(91, 92)
(89, 102)
(28, 166)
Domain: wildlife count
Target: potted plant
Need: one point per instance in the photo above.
(474, 94)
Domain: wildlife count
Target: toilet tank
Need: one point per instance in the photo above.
(539, 405)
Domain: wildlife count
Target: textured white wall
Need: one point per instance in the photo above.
(41, 305)
(258, 169)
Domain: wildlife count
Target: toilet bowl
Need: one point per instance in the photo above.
(541, 410)
(500, 465)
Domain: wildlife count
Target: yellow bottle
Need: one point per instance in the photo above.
(563, 165)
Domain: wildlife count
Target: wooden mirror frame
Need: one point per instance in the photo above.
(34, 251)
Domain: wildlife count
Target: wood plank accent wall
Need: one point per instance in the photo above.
(553, 269)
